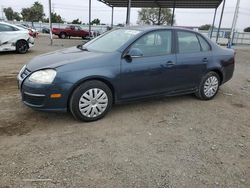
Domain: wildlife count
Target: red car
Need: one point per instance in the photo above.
(70, 31)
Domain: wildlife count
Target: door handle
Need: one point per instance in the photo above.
(169, 63)
(205, 60)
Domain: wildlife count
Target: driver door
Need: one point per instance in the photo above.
(153, 71)
(73, 31)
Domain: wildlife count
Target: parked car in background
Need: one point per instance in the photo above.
(33, 31)
(45, 30)
(70, 31)
(14, 38)
(124, 65)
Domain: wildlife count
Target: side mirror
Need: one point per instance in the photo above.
(133, 53)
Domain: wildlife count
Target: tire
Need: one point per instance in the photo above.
(91, 101)
(209, 86)
(22, 46)
(63, 35)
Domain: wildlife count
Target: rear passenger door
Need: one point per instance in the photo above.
(79, 31)
(73, 31)
(193, 54)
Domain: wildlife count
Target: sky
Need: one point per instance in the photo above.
(74, 9)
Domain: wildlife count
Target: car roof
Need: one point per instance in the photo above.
(12, 25)
(154, 27)
(146, 29)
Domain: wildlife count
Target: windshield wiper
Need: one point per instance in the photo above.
(81, 47)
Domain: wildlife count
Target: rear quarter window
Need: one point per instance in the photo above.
(204, 44)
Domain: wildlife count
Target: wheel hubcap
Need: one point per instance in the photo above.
(93, 102)
(210, 87)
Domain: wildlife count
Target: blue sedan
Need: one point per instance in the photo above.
(124, 65)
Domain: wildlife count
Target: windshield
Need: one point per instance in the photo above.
(111, 41)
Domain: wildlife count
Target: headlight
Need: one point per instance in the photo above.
(21, 71)
(46, 76)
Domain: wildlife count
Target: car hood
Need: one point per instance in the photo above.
(61, 57)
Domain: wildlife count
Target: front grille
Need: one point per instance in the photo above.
(25, 73)
(33, 100)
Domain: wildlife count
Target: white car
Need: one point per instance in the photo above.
(14, 38)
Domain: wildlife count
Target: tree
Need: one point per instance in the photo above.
(34, 13)
(247, 29)
(205, 27)
(96, 21)
(55, 18)
(151, 15)
(11, 15)
(77, 21)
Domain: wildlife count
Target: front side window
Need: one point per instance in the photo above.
(188, 42)
(5, 28)
(155, 43)
(111, 41)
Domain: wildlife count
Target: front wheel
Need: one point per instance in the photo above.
(209, 86)
(91, 101)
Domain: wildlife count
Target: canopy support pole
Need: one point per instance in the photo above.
(50, 24)
(112, 17)
(172, 20)
(159, 17)
(221, 16)
(234, 23)
(89, 18)
(212, 29)
(128, 12)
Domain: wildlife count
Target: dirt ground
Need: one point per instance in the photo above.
(169, 142)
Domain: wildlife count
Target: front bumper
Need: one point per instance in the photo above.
(31, 42)
(37, 96)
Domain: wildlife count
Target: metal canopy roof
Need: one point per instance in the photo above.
(164, 3)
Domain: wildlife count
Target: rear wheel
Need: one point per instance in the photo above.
(63, 35)
(91, 101)
(22, 46)
(209, 86)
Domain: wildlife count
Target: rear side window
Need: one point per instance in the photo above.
(204, 45)
(188, 42)
(5, 28)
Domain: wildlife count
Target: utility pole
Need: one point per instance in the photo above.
(89, 18)
(50, 24)
(236, 13)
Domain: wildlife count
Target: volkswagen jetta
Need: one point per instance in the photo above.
(124, 65)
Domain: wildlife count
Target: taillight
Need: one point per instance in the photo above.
(30, 33)
(234, 55)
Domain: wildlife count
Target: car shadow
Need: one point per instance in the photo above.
(14, 53)
(28, 119)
